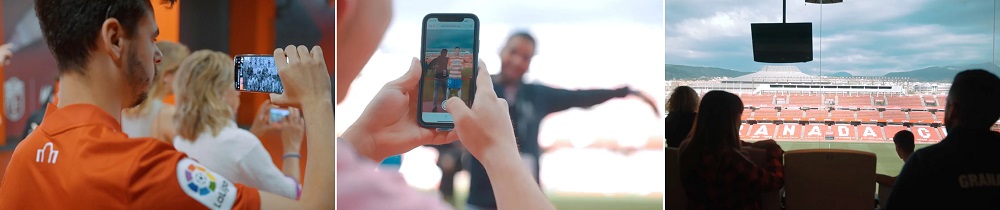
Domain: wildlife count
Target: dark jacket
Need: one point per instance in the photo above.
(960, 172)
(533, 103)
(676, 127)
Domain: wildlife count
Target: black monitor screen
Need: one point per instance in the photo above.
(782, 42)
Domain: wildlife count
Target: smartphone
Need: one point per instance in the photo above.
(257, 73)
(277, 114)
(449, 52)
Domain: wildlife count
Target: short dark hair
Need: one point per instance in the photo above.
(525, 35)
(71, 27)
(977, 94)
(904, 140)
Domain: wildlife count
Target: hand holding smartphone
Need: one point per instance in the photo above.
(277, 114)
(449, 55)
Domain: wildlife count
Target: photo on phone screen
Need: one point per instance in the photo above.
(449, 53)
(257, 73)
(277, 114)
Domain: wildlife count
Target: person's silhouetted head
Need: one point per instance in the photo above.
(718, 123)
(684, 99)
(973, 101)
(444, 52)
(904, 144)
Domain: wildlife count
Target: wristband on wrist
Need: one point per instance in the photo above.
(288, 155)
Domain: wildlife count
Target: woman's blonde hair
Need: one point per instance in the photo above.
(200, 86)
(173, 54)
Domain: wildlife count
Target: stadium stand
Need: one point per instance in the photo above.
(829, 179)
(870, 132)
(843, 132)
(920, 116)
(944, 132)
(904, 101)
(923, 133)
(765, 114)
(757, 100)
(879, 100)
(893, 115)
(829, 99)
(816, 114)
(891, 130)
(781, 99)
(761, 131)
(939, 116)
(814, 132)
(743, 131)
(842, 115)
(854, 100)
(746, 114)
(813, 100)
(868, 114)
(929, 100)
(788, 131)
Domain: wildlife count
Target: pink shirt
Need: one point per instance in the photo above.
(360, 186)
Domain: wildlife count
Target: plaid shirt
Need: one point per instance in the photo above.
(730, 180)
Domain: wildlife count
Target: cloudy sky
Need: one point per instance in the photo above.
(581, 45)
(861, 37)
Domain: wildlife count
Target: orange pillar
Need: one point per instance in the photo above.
(168, 20)
(251, 31)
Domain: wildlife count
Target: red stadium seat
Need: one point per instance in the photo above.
(868, 115)
(856, 100)
(870, 132)
(894, 115)
(757, 99)
(765, 114)
(943, 131)
(843, 132)
(816, 114)
(814, 100)
(923, 133)
(904, 101)
(746, 114)
(920, 116)
(814, 131)
(891, 130)
(762, 131)
(842, 115)
(788, 131)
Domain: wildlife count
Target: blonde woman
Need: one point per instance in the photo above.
(154, 116)
(206, 105)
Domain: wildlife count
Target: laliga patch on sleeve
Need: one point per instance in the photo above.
(205, 186)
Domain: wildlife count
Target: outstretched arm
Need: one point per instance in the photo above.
(562, 99)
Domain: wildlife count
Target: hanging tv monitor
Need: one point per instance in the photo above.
(782, 42)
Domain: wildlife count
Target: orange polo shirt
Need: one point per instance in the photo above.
(81, 159)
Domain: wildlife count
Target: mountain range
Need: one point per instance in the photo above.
(928, 74)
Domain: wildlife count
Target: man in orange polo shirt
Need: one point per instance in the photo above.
(80, 159)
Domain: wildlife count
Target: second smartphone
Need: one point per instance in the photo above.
(449, 54)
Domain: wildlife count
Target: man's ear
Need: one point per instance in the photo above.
(112, 37)
(345, 8)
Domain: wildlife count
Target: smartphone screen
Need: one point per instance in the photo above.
(277, 114)
(449, 53)
(257, 73)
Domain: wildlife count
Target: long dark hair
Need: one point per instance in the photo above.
(717, 125)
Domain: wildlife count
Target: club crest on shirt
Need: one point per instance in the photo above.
(205, 186)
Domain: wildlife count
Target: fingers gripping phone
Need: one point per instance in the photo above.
(277, 114)
(257, 73)
(449, 52)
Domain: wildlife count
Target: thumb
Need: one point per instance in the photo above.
(280, 99)
(457, 108)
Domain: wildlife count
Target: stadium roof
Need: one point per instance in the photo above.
(773, 74)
